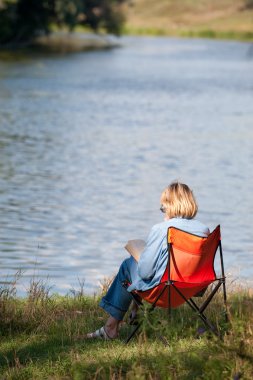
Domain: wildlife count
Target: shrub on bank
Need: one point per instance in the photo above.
(23, 20)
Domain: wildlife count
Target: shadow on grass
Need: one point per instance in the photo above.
(164, 364)
(120, 360)
(143, 357)
(41, 351)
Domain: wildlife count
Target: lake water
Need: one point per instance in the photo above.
(88, 141)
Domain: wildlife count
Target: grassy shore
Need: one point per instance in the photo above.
(223, 19)
(41, 338)
(62, 41)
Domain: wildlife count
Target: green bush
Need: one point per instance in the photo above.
(22, 20)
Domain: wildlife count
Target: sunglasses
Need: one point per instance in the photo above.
(162, 209)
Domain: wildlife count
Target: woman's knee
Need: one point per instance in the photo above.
(127, 267)
(125, 264)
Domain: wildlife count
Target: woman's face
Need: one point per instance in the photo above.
(163, 210)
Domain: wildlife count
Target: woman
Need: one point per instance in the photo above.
(180, 207)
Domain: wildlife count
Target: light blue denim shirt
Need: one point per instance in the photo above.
(153, 260)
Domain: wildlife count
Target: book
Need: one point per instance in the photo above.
(135, 248)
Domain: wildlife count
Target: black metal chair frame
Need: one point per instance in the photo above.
(199, 310)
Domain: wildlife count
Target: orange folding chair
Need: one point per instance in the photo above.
(190, 270)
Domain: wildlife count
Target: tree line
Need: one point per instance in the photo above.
(22, 20)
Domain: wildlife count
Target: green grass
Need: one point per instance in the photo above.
(188, 33)
(222, 35)
(41, 338)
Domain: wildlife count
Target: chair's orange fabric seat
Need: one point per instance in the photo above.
(191, 267)
(175, 300)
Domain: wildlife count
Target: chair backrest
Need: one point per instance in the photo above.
(191, 256)
(191, 267)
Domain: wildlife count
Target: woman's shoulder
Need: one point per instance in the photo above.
(193, 226)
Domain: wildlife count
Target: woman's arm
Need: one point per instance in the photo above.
(150, 255)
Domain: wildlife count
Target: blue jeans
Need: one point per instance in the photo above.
(117, 299)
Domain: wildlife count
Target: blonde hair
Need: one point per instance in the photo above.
(178, 201)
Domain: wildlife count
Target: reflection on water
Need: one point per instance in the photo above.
(89, 140)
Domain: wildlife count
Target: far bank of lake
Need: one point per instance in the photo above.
(229, 20)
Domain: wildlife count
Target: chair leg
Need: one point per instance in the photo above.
(204, 318)
(223, 283)
(138, 301)
(225, 302)
(139, 324)
(209, 325)
(199, 312)
(210, 297)
(133, 333)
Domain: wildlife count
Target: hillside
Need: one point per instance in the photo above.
(204, 18)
